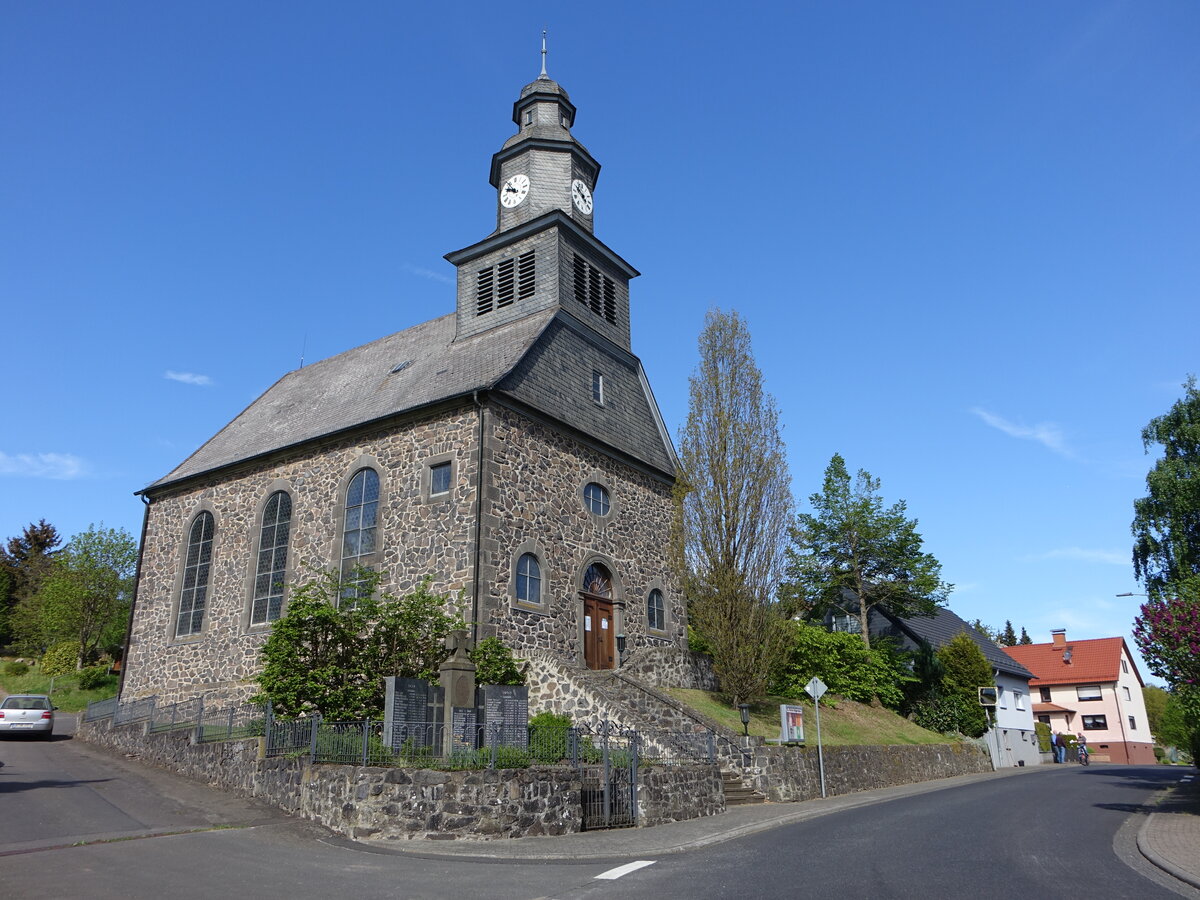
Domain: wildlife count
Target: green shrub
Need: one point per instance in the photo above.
(61, 658)
(494, 663)
(1159, 754)
(953, 714)
(94, 677)
(845, 665)
(1043, 736)
(548, 737)
(15, 668)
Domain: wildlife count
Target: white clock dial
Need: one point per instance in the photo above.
(582, 197)
(514, 190)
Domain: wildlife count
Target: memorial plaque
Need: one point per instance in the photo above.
(407, 712)
(463, 728)
(506, 706)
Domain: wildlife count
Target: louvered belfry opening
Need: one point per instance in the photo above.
(595, 290)
(504, 283)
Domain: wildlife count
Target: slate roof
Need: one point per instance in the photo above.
(939, 629)
(1093, 661)
(359, 386)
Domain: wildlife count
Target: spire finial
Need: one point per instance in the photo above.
(543, 75)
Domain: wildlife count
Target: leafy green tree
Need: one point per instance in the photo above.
(844, 664)
(732, 505)
(24, 561)
(1174, 727)
(966, 671)
(1166, 552)
(494, 663)
(1008, 637)
(329, 656)
(85, 595)
(1155, 699)
(853, 554)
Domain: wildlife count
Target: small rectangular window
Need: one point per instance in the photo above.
(1132, 724)
(1000, 698)
(439, 479)
(1045, 720)
(1088, 692)
(598, 388)
(1095, 723)
(1124, 667)
(1127, 695)
(1020, 700)
(1045, 694)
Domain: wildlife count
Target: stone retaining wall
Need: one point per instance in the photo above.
(786, 774)
(405, 804)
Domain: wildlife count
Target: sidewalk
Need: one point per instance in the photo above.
(1171, 836)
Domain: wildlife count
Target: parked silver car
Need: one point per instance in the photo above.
(27, 714)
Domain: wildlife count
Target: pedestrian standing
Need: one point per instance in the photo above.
(1060, 747)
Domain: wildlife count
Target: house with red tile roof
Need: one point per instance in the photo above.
(1091, 688)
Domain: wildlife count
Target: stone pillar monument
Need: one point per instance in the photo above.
(457, 678)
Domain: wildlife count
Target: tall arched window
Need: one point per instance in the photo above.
(358, 532)
(271, 573)
(656, 611)
(529, 579)
(196, 568)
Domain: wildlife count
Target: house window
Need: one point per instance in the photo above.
(1088, 692)
(1045, 694)
(529, 116)
(529, 579)
(656, 611)
(271, 570)
(847, 623)
(1001, 700)
(439, 479)
(1019, 700)
(196, 568)
(1127, 696)
(597, 388)
(1095, 723)
(1045, 720)
(1124, 667)
(596, 499)
(1132, 724)
(358, 532)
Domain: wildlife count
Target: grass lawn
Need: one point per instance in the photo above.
(843, 722)
(67, 695)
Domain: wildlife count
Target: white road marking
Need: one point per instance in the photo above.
(614, 874)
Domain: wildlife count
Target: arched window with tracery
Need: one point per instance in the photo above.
(193, 596)
(597, 581)
(359, 530)
(529, 579)
(271, 571)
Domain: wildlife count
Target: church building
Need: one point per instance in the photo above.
(512, 450)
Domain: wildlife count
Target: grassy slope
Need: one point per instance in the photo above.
(843, 722)
(67, 694)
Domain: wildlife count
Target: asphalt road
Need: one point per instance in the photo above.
(75, 822)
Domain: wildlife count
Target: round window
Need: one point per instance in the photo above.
(595, 498)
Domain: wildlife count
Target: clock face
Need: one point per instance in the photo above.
(582, 197)
(514, 190)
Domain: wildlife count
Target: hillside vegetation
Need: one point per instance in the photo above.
(843, 722)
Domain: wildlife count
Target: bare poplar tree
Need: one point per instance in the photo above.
(733, 508)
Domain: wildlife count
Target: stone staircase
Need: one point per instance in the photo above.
(736, 792)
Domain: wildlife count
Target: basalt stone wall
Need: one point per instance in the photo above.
(671, 667)
(403, 804)
(417, 535)
(786, 774)
(675, 793)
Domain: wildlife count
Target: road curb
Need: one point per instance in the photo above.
(1144, 848)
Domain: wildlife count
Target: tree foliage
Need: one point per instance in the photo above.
(966, 671)
(495, 664)
(733, 502)
(844, 664)
(852, 553)
(1025, 638)
(24, 561)
(329, 656)
(1008, 637)
(1166, 552)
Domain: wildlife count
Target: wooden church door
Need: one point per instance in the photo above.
(599, 628)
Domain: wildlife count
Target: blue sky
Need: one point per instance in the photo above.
(964, 236)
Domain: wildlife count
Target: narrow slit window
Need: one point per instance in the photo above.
(526, 275)
(504, 282)
(597, 388)
(484, 291)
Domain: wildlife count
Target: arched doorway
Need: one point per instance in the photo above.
(598, 623)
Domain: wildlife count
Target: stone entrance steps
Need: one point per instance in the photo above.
(736, 793)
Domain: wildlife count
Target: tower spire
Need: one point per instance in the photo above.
(543, 75)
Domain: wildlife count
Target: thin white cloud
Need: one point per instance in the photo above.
(1108, 557)
(59, 466)
(1047, 434)
(189, 378)
(427, 273)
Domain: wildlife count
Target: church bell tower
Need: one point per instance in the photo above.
(543, 253)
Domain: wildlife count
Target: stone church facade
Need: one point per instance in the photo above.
(512, 450)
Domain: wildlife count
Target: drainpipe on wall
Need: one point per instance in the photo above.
(1121, 714)
(137, 583)
(479, 486)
